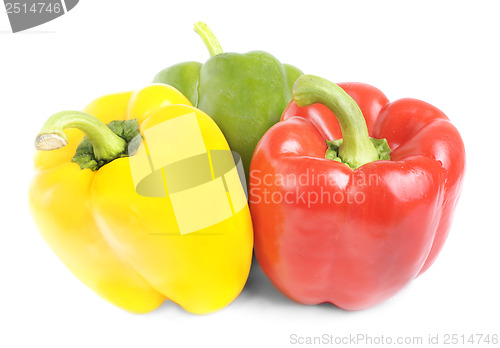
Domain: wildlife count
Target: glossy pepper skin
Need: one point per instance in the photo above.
(244, 93)
(353, 236)
(122, 245)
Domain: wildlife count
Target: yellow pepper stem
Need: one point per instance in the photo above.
(107, 145)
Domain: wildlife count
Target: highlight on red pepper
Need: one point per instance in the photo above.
(352, 196)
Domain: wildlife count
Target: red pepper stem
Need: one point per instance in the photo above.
(357, 148)
(107, 145)
(208, 38)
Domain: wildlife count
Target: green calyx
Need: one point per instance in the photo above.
(356, 147)
(101, 144)
(127, 130)
(381, 145)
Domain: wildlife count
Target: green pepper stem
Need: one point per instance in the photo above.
(107, 145)
(357, 148)
(208, 38)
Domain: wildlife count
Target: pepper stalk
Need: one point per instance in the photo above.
(356, 147)
(106, 144)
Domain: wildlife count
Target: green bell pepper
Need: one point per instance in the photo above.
(245, 94)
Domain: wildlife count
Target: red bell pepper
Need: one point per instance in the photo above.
(352, 221)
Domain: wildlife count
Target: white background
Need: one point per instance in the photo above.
(443, 52)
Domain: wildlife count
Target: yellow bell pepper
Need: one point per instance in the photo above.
(148, 211)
